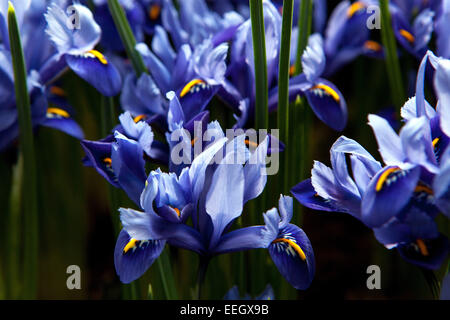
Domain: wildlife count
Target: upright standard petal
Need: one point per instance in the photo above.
(255, 172)
(442, 85)
(225, 199)
(70, 38)
(313, 59)
(129, 166)
(389, 143)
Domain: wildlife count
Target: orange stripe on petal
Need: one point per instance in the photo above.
(407, 35)
(372, 45)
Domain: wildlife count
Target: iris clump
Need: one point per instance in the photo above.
(163, 98)
(401, 199)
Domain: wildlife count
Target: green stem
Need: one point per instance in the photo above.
(283, 82)
(432, 282)
(165, 270)
(203, 266)
(127, 37)
(27, 148)
(259, 51)
(12, 267)
(392, 63)
(283, 72)
(304, 30)
(301, 117)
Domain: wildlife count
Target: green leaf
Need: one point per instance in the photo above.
(127, 37)
(259, 51)
(304, 30)
(29, 189)
(392, 63)
(283, 70)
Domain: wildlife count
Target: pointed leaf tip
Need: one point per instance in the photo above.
(11, 9)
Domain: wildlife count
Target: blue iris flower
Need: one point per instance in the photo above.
(439, 123)
(212, 198)
(42, 67)
(238, 89)
(395, 203)
(187, 55)
(443, 24)
(120, 157)
(347, 35)
(75, 48)
(401, 200)
(413, 37)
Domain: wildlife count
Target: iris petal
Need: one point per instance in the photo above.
(67, 125)
(437, 250)
(129, 166)
(96, 154)
(241, 239)
(328, 104)
(297, 269)
(100, 73)
(225, 199)
(194, 97)
(308, 197)
(388, 193)
(133, 264)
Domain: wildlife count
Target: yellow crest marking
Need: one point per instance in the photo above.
(328, 90)
(130, 245)
(139, 118)
(107, 161)
(189, 86)
(59, 112)
(355, 7)
(295, 246)
(99, 56)
(435, 142)
(383, 177)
